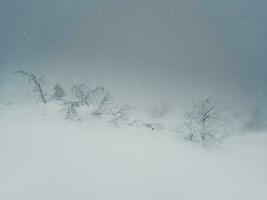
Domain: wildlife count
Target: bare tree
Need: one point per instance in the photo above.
(59, 93)
(203, 124)
(82, 93)
(37, 83)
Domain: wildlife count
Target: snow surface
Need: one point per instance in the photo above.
(43, 156)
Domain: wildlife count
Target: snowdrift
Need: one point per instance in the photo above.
(43, 156)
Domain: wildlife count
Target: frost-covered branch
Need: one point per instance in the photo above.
(203, 124)
(102, 100)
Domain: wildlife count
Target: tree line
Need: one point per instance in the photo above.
(202, 124)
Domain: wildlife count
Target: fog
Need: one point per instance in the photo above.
(181, 107)
(144, 51)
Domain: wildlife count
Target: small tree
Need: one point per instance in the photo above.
(71, 110)
(59, 93)
(37, 83)
(203, 124)
(82, 94)
(102, 101)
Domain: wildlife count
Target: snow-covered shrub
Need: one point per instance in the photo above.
(102, 101)
(59, 93)
(153, 126)
(150, 125)
(120, 114)
(71, 110)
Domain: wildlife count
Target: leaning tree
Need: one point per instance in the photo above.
(37, 84)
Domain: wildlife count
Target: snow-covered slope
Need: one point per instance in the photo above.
(44, 157)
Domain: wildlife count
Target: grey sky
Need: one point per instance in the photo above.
(143, 50)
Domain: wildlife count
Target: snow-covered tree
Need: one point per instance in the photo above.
(71, 110)
(59, 93)
(203, 124)
(102, 101)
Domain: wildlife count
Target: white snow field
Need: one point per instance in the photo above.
(45, 157)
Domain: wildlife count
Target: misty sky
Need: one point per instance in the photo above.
(144, 51)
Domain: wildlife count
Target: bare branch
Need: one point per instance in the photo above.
(36, 83)
(82, 93)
